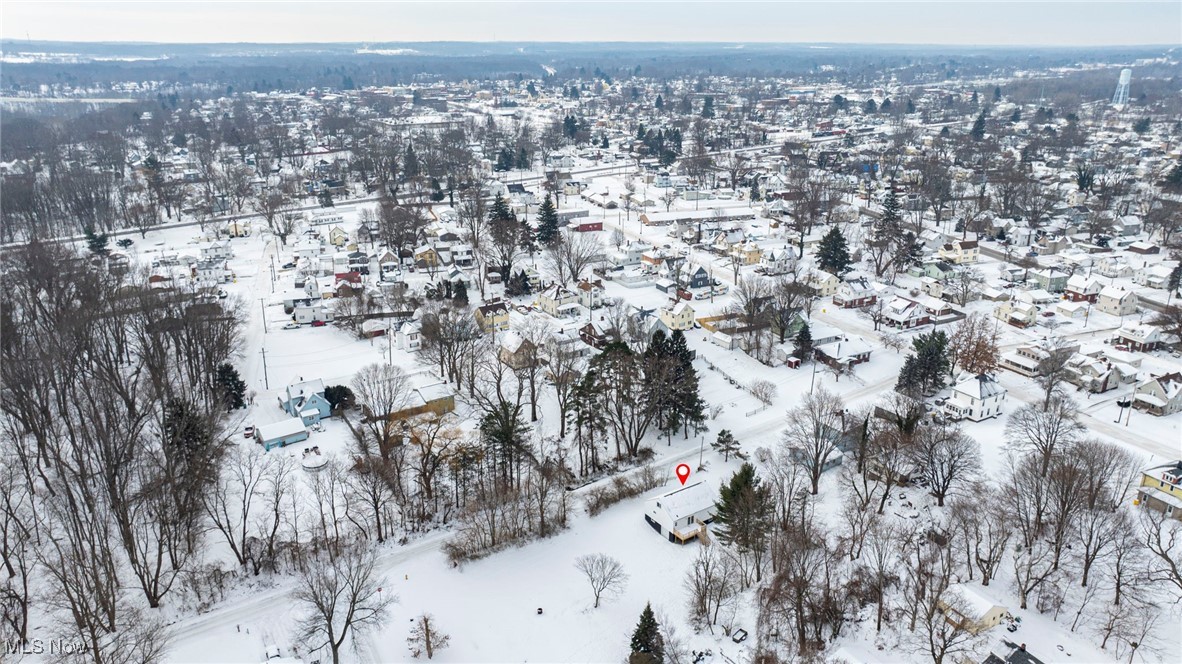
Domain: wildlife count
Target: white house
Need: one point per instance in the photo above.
(967, 606)
(410, 336)
(975, 398)
(682, 515)
(680, 316)
(1117, 301)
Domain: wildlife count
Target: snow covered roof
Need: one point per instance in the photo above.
(281, 429)
(686, 501)
(977, 603)
(981, 386)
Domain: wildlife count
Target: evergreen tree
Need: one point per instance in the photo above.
(755, 195)
(410, 163)
(1175, 279)
(339, 397)
(1016, 116)
(96, 243)
(870, 108)
(910, 106)
(518, 284)
(522, 162)
(648, 646)
(660, 103)
(708, 107)
(640, 132)
(533, 91)
(726, 444)
(325, 198)
(832, 255)
(744, 512)
(230, 388)
(804, 343)
(1174, 177)
(500, 210)
(605, 145)
(504, 161)
(923, 372)
(460, 295)
(886, 106)
(996, 93)
(1141, 126)
(547, 223)
(689, 404)
(975, 100)
(977, 133)
(525, 238)
(890, 208)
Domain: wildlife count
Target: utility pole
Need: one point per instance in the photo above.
(266, 378)
(263, 312)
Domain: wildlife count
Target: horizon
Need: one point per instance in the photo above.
(1043, 24)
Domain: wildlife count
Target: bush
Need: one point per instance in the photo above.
(620, 488)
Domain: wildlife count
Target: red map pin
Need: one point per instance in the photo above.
(683, 472)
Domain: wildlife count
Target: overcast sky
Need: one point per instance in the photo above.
(1067, 22)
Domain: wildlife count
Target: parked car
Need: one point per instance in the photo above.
(289, 266)
(125, 243)
(291, 326)
(248, 432)
(222, 294)
(318, 323)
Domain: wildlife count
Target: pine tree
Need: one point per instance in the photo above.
(1175, 279)
(460, 295)
(891, 218)
(1141, 126)
(910, 106)
(547, 223)
(504, 161)
(744, 511)
(726, 444)
(832, 255)
(708, 107)
(325, 198)
(96, 243)
(660, 103)
(804, 343)
(339, 397)
(977, 133)
(231, 390)
(870, 108)
(410, 163)
(500, 210)
(522, 162)
(1174, 177)
(886, 105)
(996, 93)
(755, 195)
(648, 646)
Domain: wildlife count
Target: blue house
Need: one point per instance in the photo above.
(305, 400)
(279, 434)
(698, 278)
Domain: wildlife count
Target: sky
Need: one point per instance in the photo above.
(979, 22)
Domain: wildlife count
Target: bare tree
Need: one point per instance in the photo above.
(341, 597)
(381, 391)
(605, 574)
(764, 390)
(1052, 368)
(945, 457)
(948, 631)
(973, 345)
(1046, 432)
(425, 637)
(1163, 538)
(813, 430)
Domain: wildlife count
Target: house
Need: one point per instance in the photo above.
(682, 515)
(1025, 360)
(680, 316)
(1097, 375)
(558, 301)
(337, 237)
(1116, 301)
(1081, 288)
(630, 254)
(1161, 489)
(1073, 310)
(1016, 313)
(596, 334)
(960, 252)
(493, 317)
(843, 353)
(280, 434)
(695, 276)
(975, 398)
(1144, 248)
(436, 398)
(1114, 267)
(747, 253)
(1050, 279)
(779, 260)
(967, 606)
(427, 257)
(905, 314)
(217, 250)
(461, 255)
(590, 293)
(410, 336)
(586, 225)
(1153, 276)
(1129, 225)
(312, 312)
(855, 293)
(305, 400)
(822, 283)
(1159, 395)
(516, 352)
(1139, 337)
(938, 270)
(211, 272)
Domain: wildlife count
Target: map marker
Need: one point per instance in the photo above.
(683, 472)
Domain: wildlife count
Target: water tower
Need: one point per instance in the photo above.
(1121, 98)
